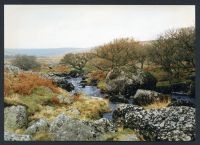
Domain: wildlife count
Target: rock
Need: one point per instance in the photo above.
(39, 126)
(75, 73)
(58, 122)
(60, 80)
(83, 83)
(116, 81)
(73, 111)
(68, 129)
(118, 98)
(176, 123)
(16, 137)
(67, 86)
(102, 126)
(71, 129)
(147, 97)
(65, 99)
(12, 69)
(106, 124)
(120, 82)
(180, 99)
(15, 117)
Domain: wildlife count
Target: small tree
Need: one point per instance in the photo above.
(25, 62)
(174, 51)
(118, 53)
(76, 60)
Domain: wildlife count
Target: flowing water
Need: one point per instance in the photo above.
(94, 91)
(90, 91)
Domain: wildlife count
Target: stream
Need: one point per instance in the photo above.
(90, 91)
(95, 92)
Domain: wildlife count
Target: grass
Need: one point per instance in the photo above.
(102, 85)
(34, 102)
(158, 104)
(122, 135)
(89, 108)
(43, 136)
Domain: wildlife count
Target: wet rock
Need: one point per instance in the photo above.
(74, 73)
(15, 117)
(39, 126)
(179, 99)
(16, 137)
(83, 83)
(118, 98)
(176, 123)
(59, 80)
(147, 97)
(64, 84)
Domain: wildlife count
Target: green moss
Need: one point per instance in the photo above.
(102, 85)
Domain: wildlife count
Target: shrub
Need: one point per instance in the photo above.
(25, 62)
(25, 83)
(60, 69)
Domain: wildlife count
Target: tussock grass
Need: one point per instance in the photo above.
(158, 104)
(91, 108)
(34, 102)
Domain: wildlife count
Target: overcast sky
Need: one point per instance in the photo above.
(61, 26)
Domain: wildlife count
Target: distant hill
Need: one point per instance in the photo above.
(42, 52)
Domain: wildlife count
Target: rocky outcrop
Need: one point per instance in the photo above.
(147, 97)
(118, 98)
(176, 123)
(71, 129)
(39, 126)
(59, 80)
(12, 69)
(102, 126)
(16, 137)
(15, 117)
(118, 81)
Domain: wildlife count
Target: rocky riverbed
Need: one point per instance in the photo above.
(146, 114)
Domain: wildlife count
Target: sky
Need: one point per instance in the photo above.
(86, 26)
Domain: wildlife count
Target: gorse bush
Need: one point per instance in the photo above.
(25, 62)
(25, 83)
